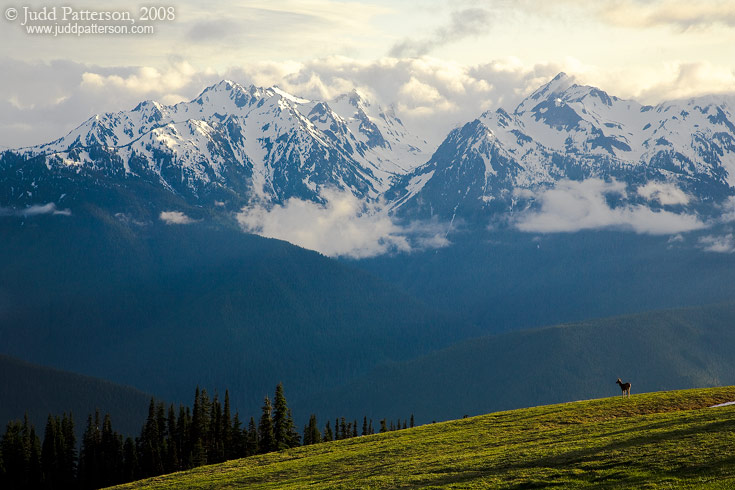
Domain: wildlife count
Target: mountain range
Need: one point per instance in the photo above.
(232, 146)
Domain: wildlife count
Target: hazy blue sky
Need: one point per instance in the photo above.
(439, 62)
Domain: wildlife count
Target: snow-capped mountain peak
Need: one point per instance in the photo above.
(549, 91)
(564, 130)
(251, 142)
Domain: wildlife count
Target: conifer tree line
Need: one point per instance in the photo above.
(170, 440)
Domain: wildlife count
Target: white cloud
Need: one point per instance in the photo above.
(572, 206)
(431, 96)
(175, 218)
(682, 14)
(728, 210)
(143, 80)
(719, 244)
(463, 23)
(679, 80)
(663, 192)
(343, 226)
(44, 101)
(35, 210)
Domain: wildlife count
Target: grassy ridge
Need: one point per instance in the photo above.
(656, 440)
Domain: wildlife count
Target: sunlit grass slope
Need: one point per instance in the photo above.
(656, 440)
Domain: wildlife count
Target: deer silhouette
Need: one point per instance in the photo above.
(624, 386)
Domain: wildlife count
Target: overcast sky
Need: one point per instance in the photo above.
(440, 62)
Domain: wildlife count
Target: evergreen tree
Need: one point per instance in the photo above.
(162, 432)
(33, 443)
(173, 447)
(89, 458)
(307, 436)
(343, 429)
(283, 427)
(383, 426)
(14, 455)
(183, 438)
(412, 421)
(311, 432)
(252, 439)
(316, 437)
(266, 436)
(370, 427)
(238, 438)
(293, 437)
(206, 408)
(110, 455)
(150, 459)
(200, 427)
(199, 454)
(328, 436)
(196, 418)
(20, 453)
(52, 452)
(161, 422)
(354, 428)
(228, 436)
(130, 468)
(70, 450)
(365, 426)
(216, 453)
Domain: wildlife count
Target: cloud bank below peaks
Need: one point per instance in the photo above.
(35, 210)
(594, 204)
(344, 226)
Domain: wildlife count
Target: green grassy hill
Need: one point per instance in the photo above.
(656, 440)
